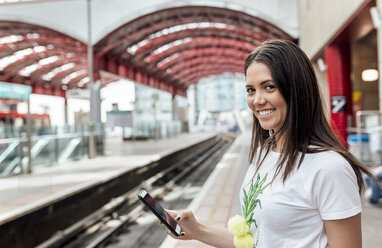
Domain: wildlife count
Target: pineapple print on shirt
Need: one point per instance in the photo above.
(251, 200)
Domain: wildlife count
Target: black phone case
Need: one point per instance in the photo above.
(158, 216)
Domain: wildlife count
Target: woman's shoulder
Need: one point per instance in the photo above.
(327, 169)
(327, 155)
(325, 162)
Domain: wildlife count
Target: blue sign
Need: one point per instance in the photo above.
(15, 91)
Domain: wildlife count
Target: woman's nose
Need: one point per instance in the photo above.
(259, 99)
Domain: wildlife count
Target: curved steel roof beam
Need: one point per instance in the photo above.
(140, 29)
(157, 58)
(52, 73)
(200, 52)
(49, 60)
(126, 46)
(237, 35)
(37, 74)
(11, 48)
(201, 32)
(182, 63)
(19, 64)
(9, 38)
(56, 80)
(203, 60)
(205, 70)
(204, 67)
(75, 81)
(13, 72)
(196, 77)
(228, 53)
(19, 55)
(58, 42)
(158, 68)
(176, 56)
(31, 31)
(202, 41)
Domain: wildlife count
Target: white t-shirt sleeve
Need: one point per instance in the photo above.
(334, 188)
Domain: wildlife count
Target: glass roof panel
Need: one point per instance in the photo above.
(4, 62)
(26, 71)
(48, 76)
(174, 29)
(72, 75)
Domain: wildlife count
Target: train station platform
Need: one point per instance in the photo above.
(23, 194)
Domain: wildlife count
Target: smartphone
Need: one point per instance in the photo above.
(158, 210)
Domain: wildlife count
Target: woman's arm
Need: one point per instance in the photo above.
(344, 233)
(215, 236)
(192, 229)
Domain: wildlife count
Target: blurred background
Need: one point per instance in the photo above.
(99, 98)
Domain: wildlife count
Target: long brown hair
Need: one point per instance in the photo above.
(306, 128)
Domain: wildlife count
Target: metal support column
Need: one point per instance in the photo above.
(92, 140)
(29, 139)
(66, 111)
(174, 108)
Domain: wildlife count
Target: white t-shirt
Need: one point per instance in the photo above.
(291, 214)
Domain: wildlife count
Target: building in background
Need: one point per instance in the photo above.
(220, 100)
(343, 39)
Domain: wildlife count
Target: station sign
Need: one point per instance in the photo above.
(338, 104)
(15, 91)
(78, 93)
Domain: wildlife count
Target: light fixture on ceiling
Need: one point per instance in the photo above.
(369, 75)
(375, 17)
(321, 64)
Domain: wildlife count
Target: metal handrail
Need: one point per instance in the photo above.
(48, 136)
(359, 128)
(10, 140)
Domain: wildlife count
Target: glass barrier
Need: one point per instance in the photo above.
(365, 140)
(152, 130)
(12, 153)
(67, 143)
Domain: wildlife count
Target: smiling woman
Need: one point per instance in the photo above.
(302, 187)
(264, 98)
(313, 198)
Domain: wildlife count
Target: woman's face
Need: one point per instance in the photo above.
(264, 98)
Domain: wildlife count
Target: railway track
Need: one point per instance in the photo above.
(120, 214)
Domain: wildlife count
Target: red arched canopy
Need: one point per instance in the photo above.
(174, 48)
(39, 56)
(169, 49)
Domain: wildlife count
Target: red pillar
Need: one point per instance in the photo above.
(122, 71)
(338, 71)
(112, 66)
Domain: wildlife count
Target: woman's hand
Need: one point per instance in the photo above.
(190, 227)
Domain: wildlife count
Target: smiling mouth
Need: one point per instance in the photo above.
(266, 112)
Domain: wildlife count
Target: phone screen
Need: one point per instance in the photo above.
(158, 210)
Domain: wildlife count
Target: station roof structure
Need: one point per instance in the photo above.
(169, 49)
(49, 61)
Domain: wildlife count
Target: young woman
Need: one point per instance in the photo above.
(310, 184)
